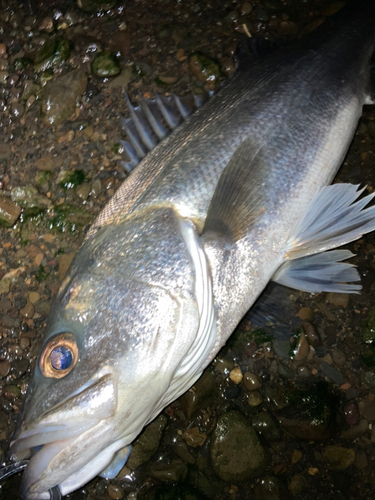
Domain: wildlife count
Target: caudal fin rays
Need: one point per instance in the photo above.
(334, 218)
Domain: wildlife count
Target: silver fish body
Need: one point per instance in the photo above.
(183, 250)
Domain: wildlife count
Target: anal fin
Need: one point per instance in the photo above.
(323, 272)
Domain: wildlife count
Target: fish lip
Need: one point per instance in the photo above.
(52, 437)
(39, 427)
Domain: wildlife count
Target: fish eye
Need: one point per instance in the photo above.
(59, 356)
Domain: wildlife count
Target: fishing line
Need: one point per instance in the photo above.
(17, 467)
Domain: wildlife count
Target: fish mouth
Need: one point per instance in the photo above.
(57, 442)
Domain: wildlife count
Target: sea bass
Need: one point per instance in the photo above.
(236, 196)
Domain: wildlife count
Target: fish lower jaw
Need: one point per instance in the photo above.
(39, 477)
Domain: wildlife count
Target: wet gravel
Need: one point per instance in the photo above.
(285, 411)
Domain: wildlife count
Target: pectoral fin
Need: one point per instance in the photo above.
(118, 462)
(239, 201)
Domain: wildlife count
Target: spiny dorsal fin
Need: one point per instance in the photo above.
(153, 120)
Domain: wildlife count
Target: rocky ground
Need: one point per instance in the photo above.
(285, 411)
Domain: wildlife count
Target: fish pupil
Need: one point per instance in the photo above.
(61, 358)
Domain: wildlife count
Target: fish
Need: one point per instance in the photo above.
(237, 195)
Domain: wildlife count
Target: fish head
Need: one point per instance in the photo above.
(111, 350)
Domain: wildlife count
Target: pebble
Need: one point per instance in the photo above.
(4, 77)
(351, 413)
(270, 488)
(228, 66)
(224, 364)
(200, 396)
(194, 437)
(38, 259)
(332, 8)
(3, 49)
(356, 431)
(236, 453)
(367, 410)
(368, 378)
(254, 399)
(105, 64)
(19, 367)
(17, 109)
(232, 392)
(4, 368)
(251, 381)
(302, 348)
(96, 188)
(298, 484)
(180, 55)
(147, 443)
(338, 457)
(9, 212)
(183, 452)
(83, 191)
(168, 79)
(281, 348)
(265, 425)
(123, 79)
(288, 28)
(303, 372)
(174, 472)
(284, 371)
(296, 456)
(11, 392)
(24, 343)
(97, 6)
(312, 334)
(34, 297)
(115, 492)
(261, 15)
(60, 97)
(28, 311)
(331, 335)
(328, 359)
(4, 285)
(338, 357)
(64, 263)
(43, 307)
(246, 8)
(361, 461)
(331, 373)
(46, 24)
(236, 375)
(338, 299)
(203, 68)
(305, 313)
(5, 305)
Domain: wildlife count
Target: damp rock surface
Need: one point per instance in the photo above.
(236, 452)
